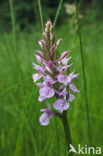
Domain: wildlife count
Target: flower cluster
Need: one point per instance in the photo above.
(52, 69)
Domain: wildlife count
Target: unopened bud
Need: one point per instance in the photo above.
(52, 37)
(40, 53)
(51, 28)
(46, 30)
(64, 54)
(38, 58)
(59, 41)
(48, 24)
(41, 43)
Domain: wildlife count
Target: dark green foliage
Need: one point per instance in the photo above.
(27, 12)
(4, 15)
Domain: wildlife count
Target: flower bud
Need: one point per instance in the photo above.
(40, 53)
(38, 58)
(52, 37)
(59, 41)
(41, 43)
(64, 54)
(46, 30)
(51, 28)
(48, 24)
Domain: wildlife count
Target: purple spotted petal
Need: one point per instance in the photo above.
(65, 60)
(50, 92)
(71, 97)
(47, 67)
(40, 84)
(61, 105)
(48, 111)
(62, 78)
(64, 54)
(48, 79)
(38, 68)
(41, 98)
(62, 69)
(62, 93)
(73, 87)
(47, 114)
(44, 119)
(72, 76)
(36, 77)
(46, 92)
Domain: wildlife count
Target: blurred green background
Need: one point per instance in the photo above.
(20, 29)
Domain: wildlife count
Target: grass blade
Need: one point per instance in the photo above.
(41, 15)
(13, 23)
(84, 72)
(58, 11)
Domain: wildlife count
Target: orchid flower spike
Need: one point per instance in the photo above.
(53, 72)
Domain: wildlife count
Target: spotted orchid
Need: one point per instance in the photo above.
(52, 69)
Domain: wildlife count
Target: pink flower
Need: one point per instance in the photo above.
(65, 60)
(46, 90)
(45, 117)
(38, 68)
(63, 69)
(62, 78)
(53, 72)
(73, 87)
(64, 54)
(45, 93)
(61, 105)
(72, 76)
(36, 77)
(71, 97)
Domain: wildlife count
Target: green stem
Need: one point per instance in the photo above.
(67, 132)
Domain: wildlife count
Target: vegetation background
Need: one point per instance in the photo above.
(20, 29)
